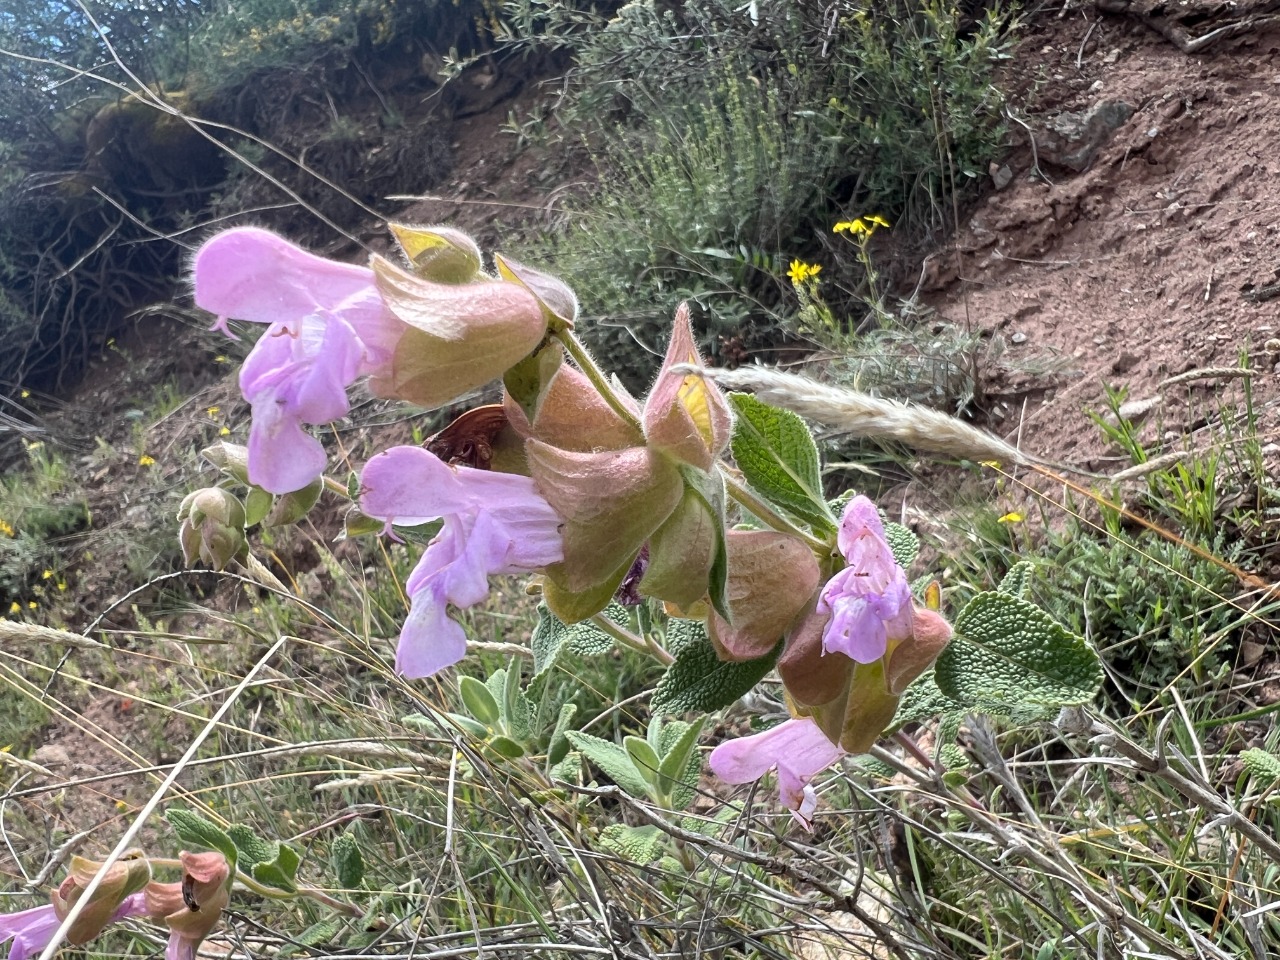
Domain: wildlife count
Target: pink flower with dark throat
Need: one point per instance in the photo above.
(493, 523)
(869, 600)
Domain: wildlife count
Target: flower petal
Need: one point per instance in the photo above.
(252, 274)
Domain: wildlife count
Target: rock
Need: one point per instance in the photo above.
(1001, 175)
(1073, 139)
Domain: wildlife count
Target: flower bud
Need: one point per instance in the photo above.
(686, 416)
(192, 907)
(231, 458)
(772, 580)
(212, 529)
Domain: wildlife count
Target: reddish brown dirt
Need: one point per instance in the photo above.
(1133, 270)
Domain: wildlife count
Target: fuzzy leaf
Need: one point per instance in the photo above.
(558, 745)
(347, 860)
(257, 504)
(612, 760)
(904, 544)
(199, 832)
(478, 700)
(1017, 582)
(637, 844)
(777, 455)
(681, 762)
(683, 634)
(1008, 651)
(700, 682)
(251, 847)
(1263, 766)
(551, 637)
(280, 872)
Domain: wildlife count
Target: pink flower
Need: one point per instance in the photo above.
(192, 906)
(329, 326)
(493, 523)
(798, 748)
(32, 930)
(869, 600)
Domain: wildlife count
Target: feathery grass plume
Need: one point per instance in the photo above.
(13, 630)
(864, 415)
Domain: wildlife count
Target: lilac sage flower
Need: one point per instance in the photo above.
(328, 326)
(869, 600)
(800, 751)
(493, 523)
(32, 930)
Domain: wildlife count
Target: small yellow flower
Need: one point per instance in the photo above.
(213, 411)
(1011, 517)
(47, 575)
(146, 461)
(801, 271)
(25, 394)
(15, 607)
(32, 604)
(878, 221)
(7, 529)
(62, 585)
(224, 432)
(220, 359)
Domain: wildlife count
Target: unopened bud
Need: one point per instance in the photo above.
(232, 459)
(212, 529)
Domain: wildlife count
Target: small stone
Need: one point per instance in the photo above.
(1251, 652)
(1272, 345)
(1125, 362)
(1018, 338)
(1135, 409)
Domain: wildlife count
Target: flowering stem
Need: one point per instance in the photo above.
(771, 518)
(587, 364)
(626, 638)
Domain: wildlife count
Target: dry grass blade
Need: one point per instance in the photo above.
(34, 633)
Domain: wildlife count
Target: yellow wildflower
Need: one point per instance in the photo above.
(48, 574)
(15, 607)
(25, 394)
(212, 411)
(146, 461)
(801, 271)
(1011, 517)
(7, 529)
(32, 604)
(224, 432)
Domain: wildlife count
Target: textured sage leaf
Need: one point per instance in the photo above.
(1007, 651)
(347, 860)
(1017, 582)
(777, 455)
(251, 847)
(199, 832)
(904, 544)
(699, 682)
(637, 844)
(280, 872)
(612, 760)
(1262, 766)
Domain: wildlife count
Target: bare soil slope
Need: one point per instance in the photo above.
(1155, 258)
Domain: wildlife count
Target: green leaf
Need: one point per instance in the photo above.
(643, 757)
(637, 844)
(517, 713)
(257, 504)
(777, 455)
(473, 728)
(683, 634)
(292, 507)
(558, 745)
(1007, 651)
(681, 762)
(551, 637)
(904, 544)
(612, 760)
(710, 489)
(356, 524)
(1262, 766)
(251, 847)
(504, 746)
(1017, 582)
(699, 682)
(347, 860)
(569, 769)
(280, 872)
(477, 699)
(199, 832)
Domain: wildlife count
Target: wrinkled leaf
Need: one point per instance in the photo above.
(700, 682)
(777, 455)
(199, 832)
(612, 760)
